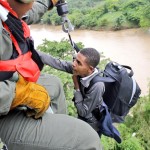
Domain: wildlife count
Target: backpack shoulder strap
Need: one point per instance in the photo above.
(98, 78)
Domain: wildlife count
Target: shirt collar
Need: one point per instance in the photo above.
(86, 80)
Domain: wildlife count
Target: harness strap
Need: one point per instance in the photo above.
(29, 70)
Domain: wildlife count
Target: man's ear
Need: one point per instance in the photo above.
(91, 69)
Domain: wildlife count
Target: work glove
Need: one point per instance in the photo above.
(33, 96)
(54, 2)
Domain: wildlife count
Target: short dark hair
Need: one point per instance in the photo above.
(92, 56)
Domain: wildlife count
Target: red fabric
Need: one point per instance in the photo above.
(6, 5)
(28, 69)
(23, 64)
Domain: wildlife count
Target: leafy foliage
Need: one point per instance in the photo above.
(140, 120)
(104, 14)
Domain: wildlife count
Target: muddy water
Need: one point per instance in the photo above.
(129, 47)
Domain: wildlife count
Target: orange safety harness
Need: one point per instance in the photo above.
(24, 63)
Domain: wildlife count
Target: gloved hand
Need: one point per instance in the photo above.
(33, 96)
(54, 2)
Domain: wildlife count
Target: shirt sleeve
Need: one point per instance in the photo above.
(87, 102)
(56, 63)
(7, 91)
(38, 9)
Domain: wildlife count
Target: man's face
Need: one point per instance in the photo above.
(20, 8)
(80, 66)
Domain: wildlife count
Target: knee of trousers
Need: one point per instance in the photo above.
(52, 84)
(88, 138)
(53, 131)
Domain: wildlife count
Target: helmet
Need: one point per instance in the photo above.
(24, 1)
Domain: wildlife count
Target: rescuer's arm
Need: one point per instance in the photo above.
(38, 9)
(7, 87)
(56, 63)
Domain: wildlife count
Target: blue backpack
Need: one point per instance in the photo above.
(121, 89)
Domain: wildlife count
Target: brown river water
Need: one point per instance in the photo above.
(128, 47)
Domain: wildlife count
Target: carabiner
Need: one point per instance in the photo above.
(66, 24)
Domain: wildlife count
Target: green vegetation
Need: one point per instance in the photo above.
(134, 131)
(104, 14)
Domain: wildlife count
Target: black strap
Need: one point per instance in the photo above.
(98, 78)
(15, 27)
